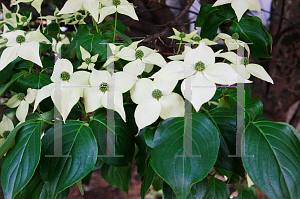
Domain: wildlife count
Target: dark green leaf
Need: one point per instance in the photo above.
(157, 183)
(78, 146)
(225, 121)
(124, 140)
(118, 177)
(13, 79)
(33, 80)
(216, 189)
(251, 30)
(182, 165)
(272, 158)
(205, 11)
(21, 161)
(197, 191)
(245, 194)
(226, 11)
(211, 25)
(147, 180)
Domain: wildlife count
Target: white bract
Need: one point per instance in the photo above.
(154, 99)
(203, 74)
(70, 87)
(6, 126)
(240, 6)
(71, 6)
(9, 17)
(22, 102)
(35, 3)
(88, 60)
(182, 36)
(56, 46)
(26, 47)
(197, 39)
(77, 17)
(232, 43)
(142, 59)
(119, 6)
(242, 66)
(107, 89)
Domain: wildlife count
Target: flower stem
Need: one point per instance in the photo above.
(30, 67)
(95, 24)
(75, 27)
(42, 23)
(179, 47)
(83, 112)
(115, 30)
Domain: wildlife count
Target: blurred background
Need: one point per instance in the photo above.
(281, 101)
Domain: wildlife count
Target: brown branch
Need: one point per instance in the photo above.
(171, 23)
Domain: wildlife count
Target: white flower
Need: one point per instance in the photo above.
(232, 43)
(56, 17)
(108, 89)
(70, 87)
(35, 3)
(182, 36)
(72, 6)
(116, 49)
(242, 66)
(77, 17)
(120, 6)
(9, 17)
(154, 99)
(22, 102)
(197, 39)
(203, 73)
(6, 126)
(26, 47)
(240, 6)
(142, 59)
(88, 60)
(63, 39)
(23, 20)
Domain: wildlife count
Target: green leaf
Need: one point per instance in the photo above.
(21, 161)
(78, 146)
(144, 151)
(94, 44)
(233, 178)
(168, 159)
(245, 194)
(147, 180)
(226, 11)
(205, 11)
(211, 25)
(157, 183)
(272, 158)
(124, 140)
(225, 121)
(13, 79)
(216, 189)
(33, 80)
(118, 177)
(6, 72)
(251, 30)
(197, 191)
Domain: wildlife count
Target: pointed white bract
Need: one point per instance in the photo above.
(70, 86)
(88, 59)
(21, 45)
(9, 17)
(119, 6)
(232, 44)
(155, 99)
(6, 126)
(241, 6)
(34, 3)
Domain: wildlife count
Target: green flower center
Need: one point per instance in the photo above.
(8, 15)
(182, 35)
(197, 38)
(157, 94)
(88, 60)
(21, 96)
(65, 76)
(116, 2)
(139, 54)
(5, 134)
(104, 87)
(24, 19)
(199, 66)
(235, 36)
(245, 61)
(20, 39)
(79, 17)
